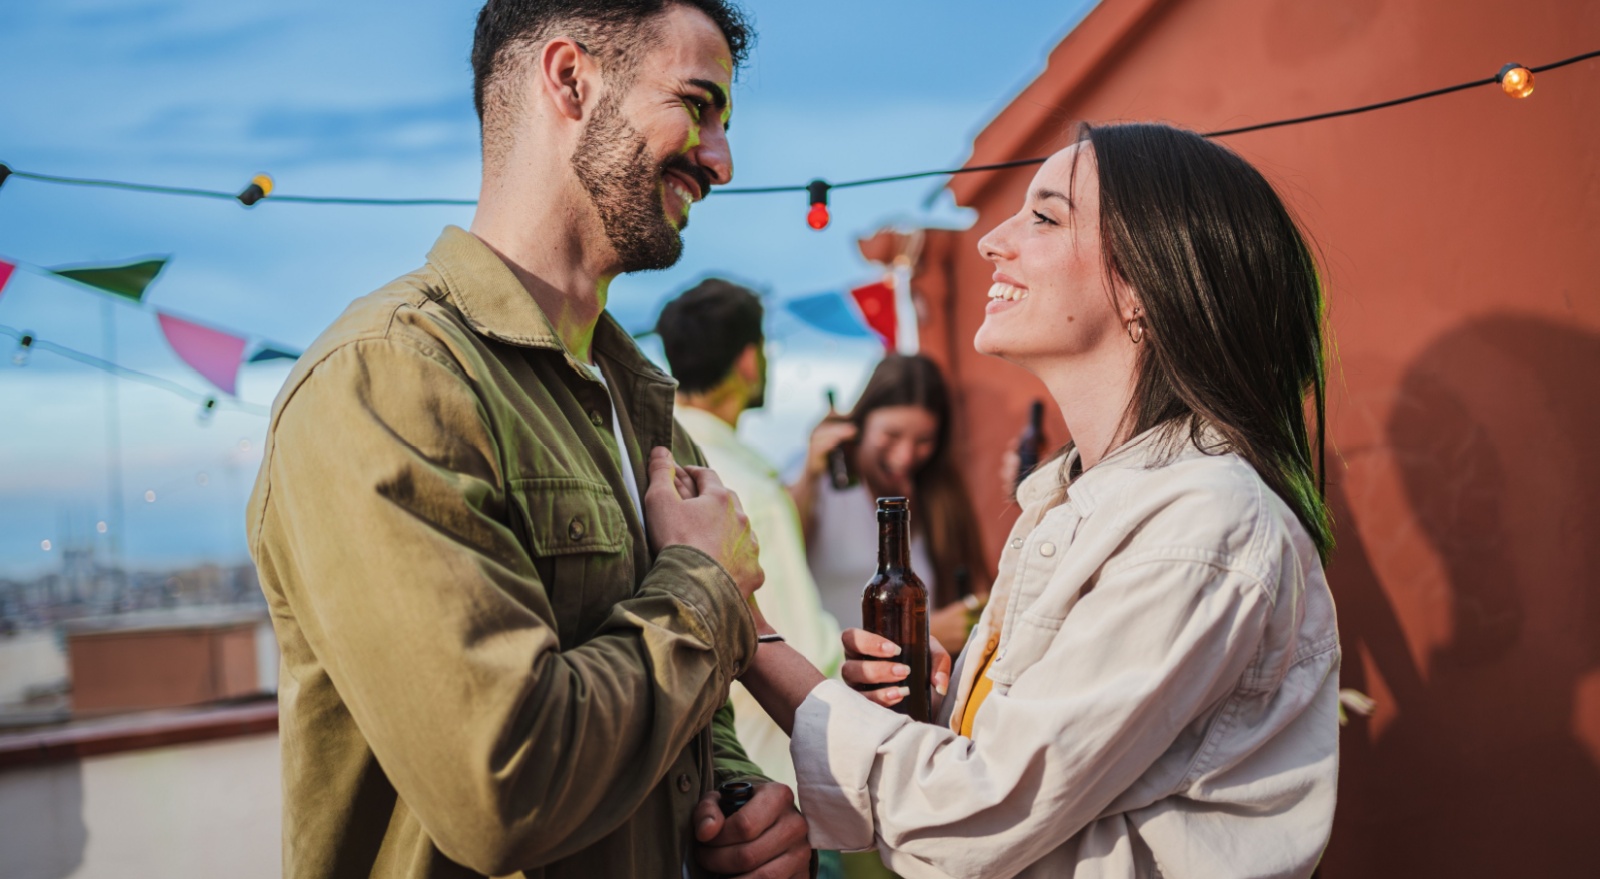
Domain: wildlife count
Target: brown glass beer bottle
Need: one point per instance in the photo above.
(895, 606)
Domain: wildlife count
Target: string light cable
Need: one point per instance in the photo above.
(1515, 79)
(27, 343)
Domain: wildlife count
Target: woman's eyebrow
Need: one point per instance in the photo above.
(1042, 194)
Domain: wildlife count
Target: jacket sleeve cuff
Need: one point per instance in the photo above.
(837, 733)
(700, 582)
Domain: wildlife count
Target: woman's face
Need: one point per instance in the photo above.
(895, 442)
(1050, 301)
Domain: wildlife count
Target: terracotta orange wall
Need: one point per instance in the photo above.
(1461, 241)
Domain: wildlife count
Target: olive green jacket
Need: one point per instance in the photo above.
(485, 671)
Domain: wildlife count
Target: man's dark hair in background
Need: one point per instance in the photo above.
(705, 330)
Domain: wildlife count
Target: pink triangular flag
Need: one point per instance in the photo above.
(5, 273)
(213, 354)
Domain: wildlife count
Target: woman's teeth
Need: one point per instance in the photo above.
(1008, 292)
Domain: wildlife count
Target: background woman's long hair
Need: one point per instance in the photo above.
(1232, 300)
(943, 513)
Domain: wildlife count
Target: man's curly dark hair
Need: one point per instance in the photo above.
(615, 31)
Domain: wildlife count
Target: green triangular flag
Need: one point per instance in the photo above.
(128, 281)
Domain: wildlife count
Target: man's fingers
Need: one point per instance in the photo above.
(708, 818)
(661, 470)
(705, 479)
(770, 802)
(873, 671)
(792, 864)
(863, 644)
(680, 477)
(778, 850)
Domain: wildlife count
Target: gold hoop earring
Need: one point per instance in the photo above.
(1136, 330)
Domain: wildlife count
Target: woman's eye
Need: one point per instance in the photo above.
(1041, 218)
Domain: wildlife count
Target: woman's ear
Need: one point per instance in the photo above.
(566, 76)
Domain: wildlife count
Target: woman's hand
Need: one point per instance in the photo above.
(826, 437)
(870, 660)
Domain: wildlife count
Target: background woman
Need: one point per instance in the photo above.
(897, 437)
(1153, 687)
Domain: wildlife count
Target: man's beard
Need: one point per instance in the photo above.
(613, 163)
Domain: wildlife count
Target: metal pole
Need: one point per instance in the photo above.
(113, 457)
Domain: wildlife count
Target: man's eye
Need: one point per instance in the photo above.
(1041, 218)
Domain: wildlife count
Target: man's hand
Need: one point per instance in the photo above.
(870, 660)
(764, 840)
(691, 506)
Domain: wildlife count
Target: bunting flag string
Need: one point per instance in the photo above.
(215, 353)
(28, 342)
(1515, 79)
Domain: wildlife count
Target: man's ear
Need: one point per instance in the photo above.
(566, 76)
(749, 363)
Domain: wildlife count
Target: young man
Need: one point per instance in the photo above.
(716, 349)
(508, 619)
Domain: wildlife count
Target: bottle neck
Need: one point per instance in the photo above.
(894, 542)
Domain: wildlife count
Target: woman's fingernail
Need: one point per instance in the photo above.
(901, 671)
(901, 693)
(942, 687)
(889, 648)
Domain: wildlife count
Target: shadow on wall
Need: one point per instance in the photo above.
(42, 834)
(1487, 764)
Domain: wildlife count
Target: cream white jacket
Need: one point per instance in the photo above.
(1164, 702)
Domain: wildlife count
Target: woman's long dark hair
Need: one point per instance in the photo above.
(944, 511)
(1232, 305)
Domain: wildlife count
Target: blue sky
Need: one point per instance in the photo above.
(366, 98)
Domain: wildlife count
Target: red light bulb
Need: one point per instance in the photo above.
(817, 217)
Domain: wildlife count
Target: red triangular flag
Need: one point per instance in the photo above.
(5, 273)
(212, 353)
(876, 302)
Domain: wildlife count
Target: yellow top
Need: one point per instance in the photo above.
(980, 686)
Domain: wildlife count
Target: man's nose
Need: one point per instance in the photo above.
(714, 155)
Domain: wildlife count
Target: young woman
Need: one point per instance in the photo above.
(1152, 690)
(897, 437)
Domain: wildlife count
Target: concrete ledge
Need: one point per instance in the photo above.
(80, 739)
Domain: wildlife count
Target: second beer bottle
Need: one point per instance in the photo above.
(894, 605)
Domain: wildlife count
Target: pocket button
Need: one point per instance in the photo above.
(576, 530)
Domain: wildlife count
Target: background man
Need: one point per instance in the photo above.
(499, 655)
(716, 350)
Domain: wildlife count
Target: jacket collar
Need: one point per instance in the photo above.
(494, 303)
(1142, 452)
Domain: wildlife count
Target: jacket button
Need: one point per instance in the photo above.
(596, 419)
(576, 529)
(1016, 543)
(1047, 549)
(683, 783)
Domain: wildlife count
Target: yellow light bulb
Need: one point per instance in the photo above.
(1516, 80)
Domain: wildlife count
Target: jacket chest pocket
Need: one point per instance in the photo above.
(582, 548)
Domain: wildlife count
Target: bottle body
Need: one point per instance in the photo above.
(894, 605)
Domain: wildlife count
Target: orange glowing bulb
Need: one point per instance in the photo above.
(817, 217)
(1516, 80)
